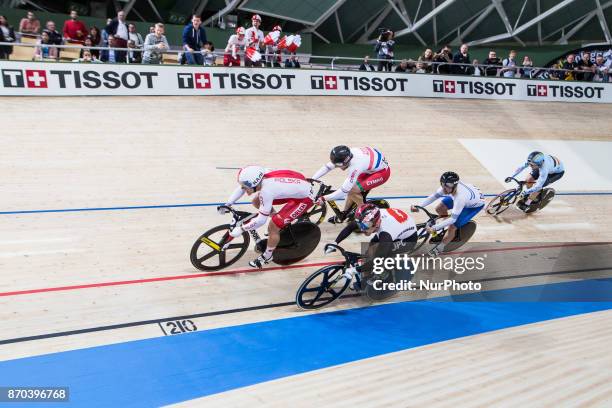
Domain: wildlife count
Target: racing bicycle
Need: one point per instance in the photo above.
(505, 199)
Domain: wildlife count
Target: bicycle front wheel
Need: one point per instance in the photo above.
(322, 287)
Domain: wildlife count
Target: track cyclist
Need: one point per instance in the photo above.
(545, 170)
(367, 169)
(394, 231)
(271, 187)
(463, 199)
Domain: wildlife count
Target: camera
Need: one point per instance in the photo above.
(384, 34)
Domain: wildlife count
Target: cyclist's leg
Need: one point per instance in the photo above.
(368, 182)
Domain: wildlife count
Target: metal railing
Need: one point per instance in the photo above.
(353, 63)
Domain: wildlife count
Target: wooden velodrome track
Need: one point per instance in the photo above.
(113, 270)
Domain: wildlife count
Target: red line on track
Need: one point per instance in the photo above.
(270, 269)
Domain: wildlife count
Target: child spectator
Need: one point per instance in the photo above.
(194, 36)
(254, 39)
(420, 68)
(155, 45)
(527, 70)
(87, 46)
(208, 54)
(235, 44)
(366, 66)
(74, 29)
(492, 64)
(7, 34)
(29, 24)
(87, 57)
(427, 58)
(43, 51)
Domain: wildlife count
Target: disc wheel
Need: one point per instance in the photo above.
(547, 195)
(501, 202)
(322, 287)
(206, 253)
(463, 235)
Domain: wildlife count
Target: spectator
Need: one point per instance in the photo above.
(420, 68)
(292, 62)
(96, 37)
(254, 39)
(208, 54)
(155, 45)
(87, 46)
(402, 67)
(104, 35)
(509, 65)
(384, 50)
(570, 66)
(87, 57)
(43, 51)
(427, 58)
(527, 70)
(462, 57)
(601, 70)
(134, 57)
(109, 55)
(442, 58)
(7, 34)
(54, 36)
(365, 65)
(492, 64)
(74, 29)
(194, 36)
(235, 44)
(554, 72)
(273, 57)
(586, 67)
(137, 42)
(29, 24)
(118, 28)
(476, 68)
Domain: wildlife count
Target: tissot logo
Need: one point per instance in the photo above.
(537, 90)
(204, 80)
(357, 83)
(565, 91)
(473, 87)
(198, 80)
(34, 78)
(37, 78)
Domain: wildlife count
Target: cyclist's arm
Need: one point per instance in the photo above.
(458, 206)
(346, 187)
(384, 247)
(265, 208)
(540, 181)
(346, 231)
(323, 170)
(239, 192)
(432, 198)
(520, 169)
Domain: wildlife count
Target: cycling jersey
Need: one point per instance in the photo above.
(551, 165)
(366, 160)
(465, 196)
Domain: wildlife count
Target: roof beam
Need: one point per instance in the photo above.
(483, 14)
(425, 18)
(225, 10)
(200, 9)
(320, 36)
(582, 23)
(603, 22)
(339, 28)
(525, 26)
(406, 19)
(384, 13)
(324, 16)
(505, 19)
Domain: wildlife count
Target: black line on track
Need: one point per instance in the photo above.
(249, 309)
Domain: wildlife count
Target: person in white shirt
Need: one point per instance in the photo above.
(367, 169)
(463, 199)
(235, 45)
(254, 39)
(277, 187)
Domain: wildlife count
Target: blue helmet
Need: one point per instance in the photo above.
(536, 158)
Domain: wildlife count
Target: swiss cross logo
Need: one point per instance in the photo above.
(438, 85)
(36, 78)
(202, 81)
(542, 90)
(449, 86)
(331, 82)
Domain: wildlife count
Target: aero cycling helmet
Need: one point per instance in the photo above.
(449, 179)
(251, 176)
(340, 155)
(536, 158)
(367, 216)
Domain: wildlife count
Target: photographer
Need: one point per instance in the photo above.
(384, 49)
(443, 57)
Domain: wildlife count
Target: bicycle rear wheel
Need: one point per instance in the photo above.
(206, 253)
(501, 202)
(547, 195)
(463, 235)
(322, 287)
(297, 241)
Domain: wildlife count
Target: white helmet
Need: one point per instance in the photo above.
(251, 176)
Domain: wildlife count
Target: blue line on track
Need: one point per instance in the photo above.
(144, 207)
(165, 370)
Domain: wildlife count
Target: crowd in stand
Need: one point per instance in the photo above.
(119, 37)
(121, 42)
